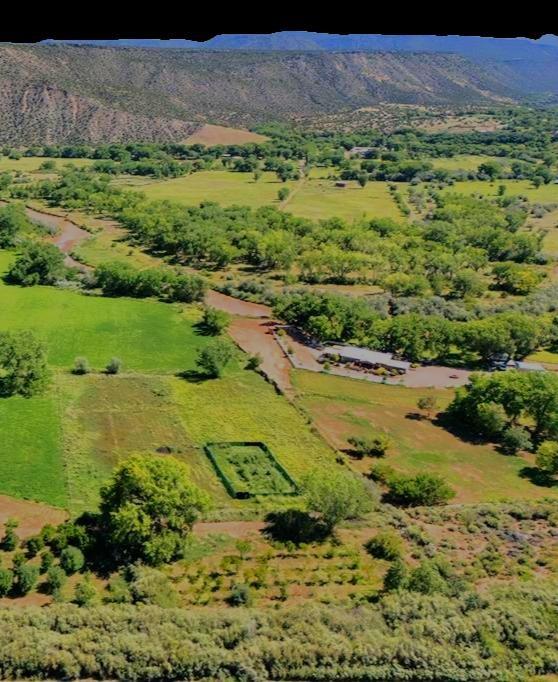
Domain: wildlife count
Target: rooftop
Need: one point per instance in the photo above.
(365, 355)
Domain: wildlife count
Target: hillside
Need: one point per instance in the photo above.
(67, 93)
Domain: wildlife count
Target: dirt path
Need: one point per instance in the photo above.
(236, 529)
(236, 306)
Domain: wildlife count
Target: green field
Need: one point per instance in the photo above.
(545, 194)
(315, 197)
(345, 407)
(248, 469)
(146, 335)
(466, 161)
(29, 164)
(31, 462)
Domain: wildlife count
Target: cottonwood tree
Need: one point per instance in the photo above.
(23, 364)
(148, 509)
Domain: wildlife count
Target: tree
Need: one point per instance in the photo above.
(25, 578)
(150, 586)
(23, 365)
(38, 263)
(386, 545)
(214, 321)
(336, 496)
(213, 358)
(427, 403)
(114, 366)
(13, 221)
(547, 456)
(148, 509)
(10, 540)
(283, 193)
(48, 165)
(426, 579)
(257, 175)
(362, 179)
(72, 560)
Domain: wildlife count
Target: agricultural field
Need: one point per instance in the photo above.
(29, 164)
(343, 407)
(249, 469)
(315, 197)
(545, 194)
(466, 162)
(147, 336)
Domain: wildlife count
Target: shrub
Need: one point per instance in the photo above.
(426, 579)
(396, 576)
(150, 586)
(374, 446)
(422, 489)
(547, 456)
(47, 559)
(72, 560)
(385, 545)
(38, 263)
(85, 592)
(213, 359)
(114, 366)
(56, 577)
(515, 439)
(10, 539)
(6, 581)
(34, 545)
(214, 321)
(26, 577)
(81, 366)
(254, 361)
(241, 595)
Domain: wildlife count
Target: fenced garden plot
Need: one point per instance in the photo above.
(249, 468)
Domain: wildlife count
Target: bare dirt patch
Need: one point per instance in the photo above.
(236, 529)
(236, 306)
(32, 516)
(210, 135)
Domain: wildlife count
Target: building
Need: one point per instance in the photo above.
(361, 151)
(522, 366)
(362, 357)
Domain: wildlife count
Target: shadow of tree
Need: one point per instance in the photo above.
(294, 525)
(539, 477)
(193, 376)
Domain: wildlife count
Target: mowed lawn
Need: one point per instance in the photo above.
(31, 465)
(344, 407)
(146, 335)
(316, 197)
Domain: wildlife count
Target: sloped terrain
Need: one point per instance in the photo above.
(65, 93)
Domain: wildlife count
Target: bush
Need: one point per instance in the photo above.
(6, 581)
(25, 578)
(241, 595)
(515, 439)
(72, 560)
(547, 456)
(10, 540)
(396, 576)
(81, 366)
(56, 577)
(213, 359)
(34, 545)
(85, 592)
(422, 489)
(38, 263)
(47, 559)
(374, 446)
(385, 545)
(254, 361)
(114, 366)
(150, 586)
(214, 322)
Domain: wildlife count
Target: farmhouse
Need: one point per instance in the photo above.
(362, 357)
(361, 151)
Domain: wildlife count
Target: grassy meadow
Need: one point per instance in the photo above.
(343, 407)
(315, 197)
(466, 161)
(545, 194)
(29, 164)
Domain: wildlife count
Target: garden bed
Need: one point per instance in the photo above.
(249, 468)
